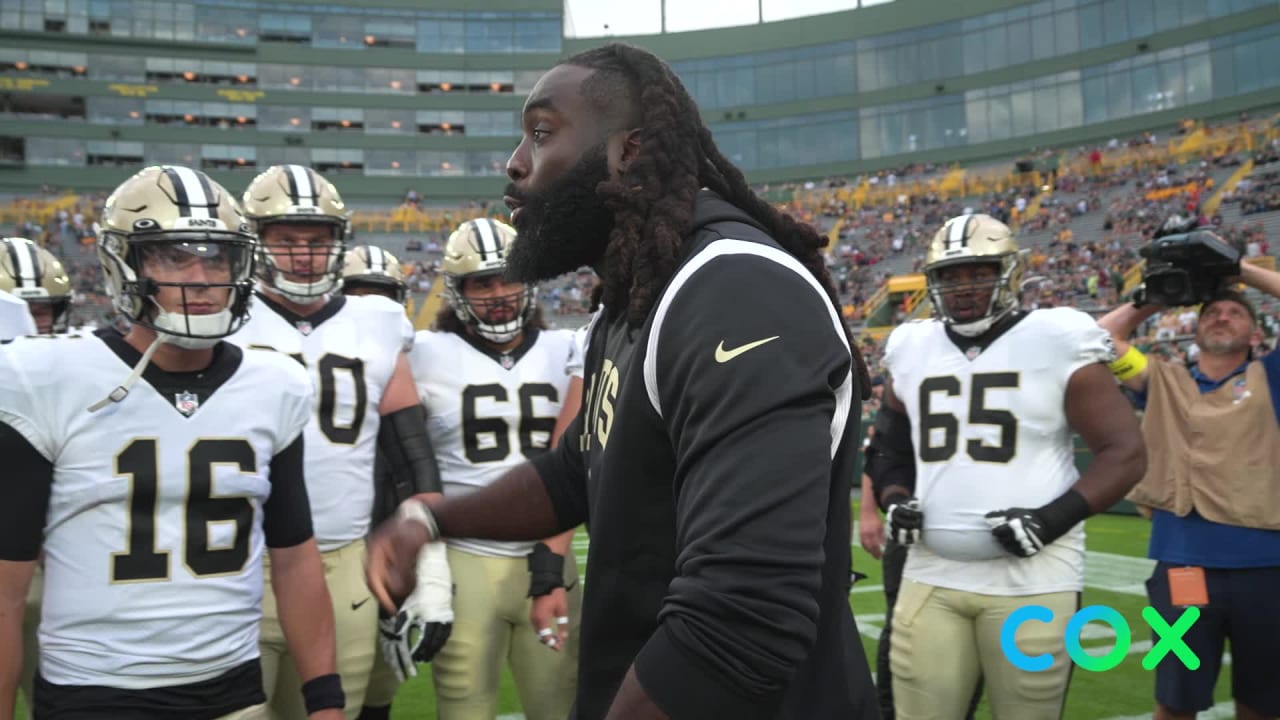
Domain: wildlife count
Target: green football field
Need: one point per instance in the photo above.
(1115, 573)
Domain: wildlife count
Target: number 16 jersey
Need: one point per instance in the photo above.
(490, 411)
(349, 347)
(990, 432)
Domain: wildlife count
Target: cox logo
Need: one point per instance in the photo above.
(1170, 638)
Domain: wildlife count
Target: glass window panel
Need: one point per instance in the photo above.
(1147, 96)
(379, 121)
(868, 68)
(975, 59)
(1249, 74)
(389, 162)
(487, 163)
(975, 112)
(1115, 21)
(1194, 11)
(1142, 18)
(342, 32)
(285, 77)
(269, 156)
(1199, 78)
(1091, 34)
(1094, 95)
(806, 82)
(55, 151)
(1042, 42)
(116, 67)
(284, 118)
(1119, 95)
(1019, 42)
(116, 111)
(999, 117)
(994, 40)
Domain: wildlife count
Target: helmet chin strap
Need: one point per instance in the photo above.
(211, 328)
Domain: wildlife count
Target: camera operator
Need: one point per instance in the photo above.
(1213, 489)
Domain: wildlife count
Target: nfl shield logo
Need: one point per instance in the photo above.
(304, 327)
(973, 352)
(507, 362)
(186, 403)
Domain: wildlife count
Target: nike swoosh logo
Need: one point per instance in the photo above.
(724, 356)
(356, 606)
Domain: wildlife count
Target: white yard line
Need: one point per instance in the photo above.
(1221, 711)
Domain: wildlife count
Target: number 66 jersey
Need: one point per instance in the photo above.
(989, 430)
(490, 411)
(160, 507)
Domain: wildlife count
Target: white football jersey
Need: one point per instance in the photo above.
(350, 349)
(153, 542)
(15, 317)
(488, 412)
(990, 432)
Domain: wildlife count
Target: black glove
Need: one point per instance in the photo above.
(1024, 532)
(904, 518)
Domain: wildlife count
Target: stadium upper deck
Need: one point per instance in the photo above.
(424, 96)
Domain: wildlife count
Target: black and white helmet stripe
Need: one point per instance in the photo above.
(487, 241)
(377, 260)
(25, 262)
(195, 197)
(957, 232)
(302, 189)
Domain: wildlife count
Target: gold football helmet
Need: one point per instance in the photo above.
(36, 275)
(174, 218)
(479, 248)
(369, 267)
(978, 240)
(297, 195)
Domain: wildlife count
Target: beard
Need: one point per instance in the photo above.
(563, 227)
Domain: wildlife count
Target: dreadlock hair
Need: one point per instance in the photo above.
(652, 201)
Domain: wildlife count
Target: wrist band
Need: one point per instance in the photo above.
(323, 692)
(546, 570)
(1129, 365)
(418, 512)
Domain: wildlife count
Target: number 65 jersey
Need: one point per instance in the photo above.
(159, 507)
(989, 430)
(350, 348)
(490, 411)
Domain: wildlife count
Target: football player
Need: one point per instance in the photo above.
(31, 273)
(370, 270)
(155, 499)
(36, 277)
(974, 465)
(494, 379)
(355, 350)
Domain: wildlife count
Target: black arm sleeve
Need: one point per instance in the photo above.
(891, 458)
(563, 471)
(407, 454)
(752, 432)
(24, 496)
(286, 516)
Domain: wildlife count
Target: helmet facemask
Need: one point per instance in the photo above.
(325, 274)
(1003, 298)
(138, 267)
(474, 312)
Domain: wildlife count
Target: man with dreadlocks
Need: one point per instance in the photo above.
(713, 455)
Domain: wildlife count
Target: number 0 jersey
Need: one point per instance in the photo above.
(349, 348)
(154, 535)
(990, 432)
(489, 412)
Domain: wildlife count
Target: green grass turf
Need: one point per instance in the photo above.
(1126, 690)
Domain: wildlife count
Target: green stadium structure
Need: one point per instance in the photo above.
(425, 94)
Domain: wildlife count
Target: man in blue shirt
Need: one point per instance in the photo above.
(1213, 487)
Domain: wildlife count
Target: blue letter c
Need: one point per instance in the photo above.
(1038, 663)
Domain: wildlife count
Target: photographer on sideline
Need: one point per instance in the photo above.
(1213, 487)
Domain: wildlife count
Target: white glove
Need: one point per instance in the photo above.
(422, 626)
